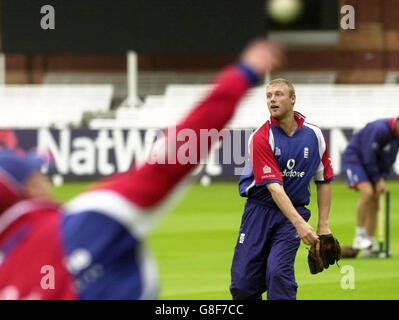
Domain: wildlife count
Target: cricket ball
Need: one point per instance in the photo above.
(284, 11)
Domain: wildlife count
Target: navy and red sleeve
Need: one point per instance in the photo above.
(150, 184)
(324, 172)
(264, 164)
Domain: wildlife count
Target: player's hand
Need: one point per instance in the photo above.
(380, 186)
(262, 56)
(307, 234)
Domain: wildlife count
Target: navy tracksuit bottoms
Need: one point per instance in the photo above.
(265, 252)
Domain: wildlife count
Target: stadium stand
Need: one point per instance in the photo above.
(149, 83)
(87, 99)
(116, 79)
(33, 106)
(170, 90)
(327, 105)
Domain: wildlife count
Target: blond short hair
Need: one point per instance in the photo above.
(273, 82)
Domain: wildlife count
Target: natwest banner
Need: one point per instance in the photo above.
(86, 153)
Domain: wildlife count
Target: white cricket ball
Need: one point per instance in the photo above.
(58, 180)
(284, 11)
(205, 181)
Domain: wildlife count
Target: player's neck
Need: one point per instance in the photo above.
(288, 124)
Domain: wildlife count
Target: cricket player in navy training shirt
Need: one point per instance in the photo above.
(367, 163)
(285, 154)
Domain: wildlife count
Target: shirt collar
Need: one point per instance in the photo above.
(299, 118)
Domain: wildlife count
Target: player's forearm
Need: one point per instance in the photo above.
(324, 194)
(372, 169)
(284, 204)
(305, 231)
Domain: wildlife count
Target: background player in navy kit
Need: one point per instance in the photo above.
(286, 153)
(367, 162)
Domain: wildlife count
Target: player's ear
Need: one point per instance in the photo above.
(293, 99)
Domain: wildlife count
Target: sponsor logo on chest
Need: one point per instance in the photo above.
(289, 172)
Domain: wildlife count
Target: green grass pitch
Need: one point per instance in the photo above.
(194, 247)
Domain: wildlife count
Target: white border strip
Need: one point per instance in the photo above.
(305, 38)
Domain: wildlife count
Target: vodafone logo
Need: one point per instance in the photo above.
(291, 164)
(290, 173)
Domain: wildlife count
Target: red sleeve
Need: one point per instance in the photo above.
(264, 164)
(328, 173)
(152, 182)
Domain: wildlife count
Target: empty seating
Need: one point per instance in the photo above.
(34, 106)
(327, 105)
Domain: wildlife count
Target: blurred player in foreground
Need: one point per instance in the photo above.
(93, 247)
(286, 153)
(367, 162)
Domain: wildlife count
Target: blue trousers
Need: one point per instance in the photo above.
(264, 255)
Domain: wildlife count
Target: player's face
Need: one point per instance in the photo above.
(279, 102)
(38, 185)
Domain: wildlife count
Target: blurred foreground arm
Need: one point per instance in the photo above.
(151, 183)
